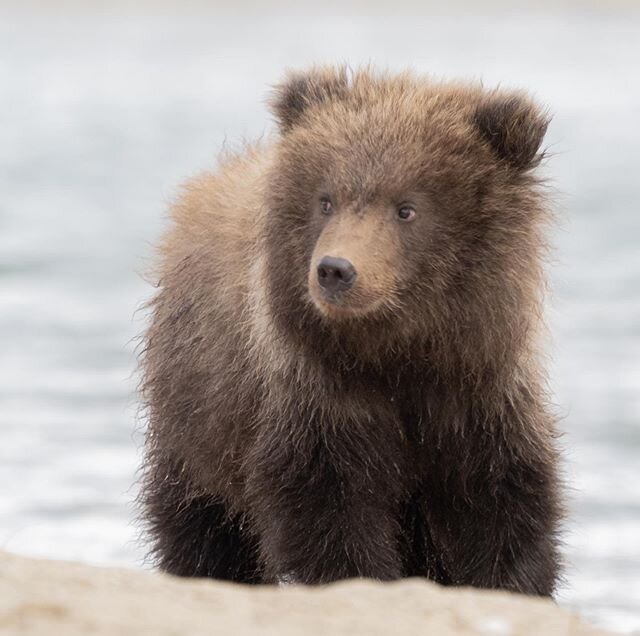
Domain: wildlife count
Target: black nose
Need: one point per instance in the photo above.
(336, 274)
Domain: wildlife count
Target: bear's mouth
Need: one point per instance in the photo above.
(341, 305)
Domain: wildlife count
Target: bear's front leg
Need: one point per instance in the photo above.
(193, 534)
(326, 504)
(492, 502)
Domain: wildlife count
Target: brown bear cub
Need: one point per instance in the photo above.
(341, 373)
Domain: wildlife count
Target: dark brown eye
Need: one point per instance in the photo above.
(406, 213)
(326, 206)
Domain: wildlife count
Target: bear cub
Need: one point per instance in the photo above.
(342, 373)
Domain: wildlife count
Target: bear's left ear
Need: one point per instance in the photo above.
(514, 126)
(303, 90)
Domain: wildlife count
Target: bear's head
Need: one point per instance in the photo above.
(404, 212)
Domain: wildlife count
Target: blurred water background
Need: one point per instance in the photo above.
(106, 107)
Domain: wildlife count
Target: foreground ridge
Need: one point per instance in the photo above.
(54, 597)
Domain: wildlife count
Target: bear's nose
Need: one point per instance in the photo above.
(336, 274)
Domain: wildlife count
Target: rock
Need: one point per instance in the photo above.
(52, 598)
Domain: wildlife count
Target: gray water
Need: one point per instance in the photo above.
(103, 111)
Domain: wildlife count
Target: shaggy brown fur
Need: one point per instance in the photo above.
(399, 427)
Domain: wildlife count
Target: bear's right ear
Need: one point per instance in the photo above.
(302, 90)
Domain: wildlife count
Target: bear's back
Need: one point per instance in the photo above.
(197, 373)
(219, 215)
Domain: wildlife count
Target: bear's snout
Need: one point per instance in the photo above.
(335, 274)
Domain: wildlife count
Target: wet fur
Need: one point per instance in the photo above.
(414, 440)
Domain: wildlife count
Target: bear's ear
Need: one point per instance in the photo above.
(302, 90)
(514, 126)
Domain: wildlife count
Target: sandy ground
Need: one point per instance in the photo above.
(54, 597)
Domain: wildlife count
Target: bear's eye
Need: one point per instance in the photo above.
(326, 206)
(406, 212)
